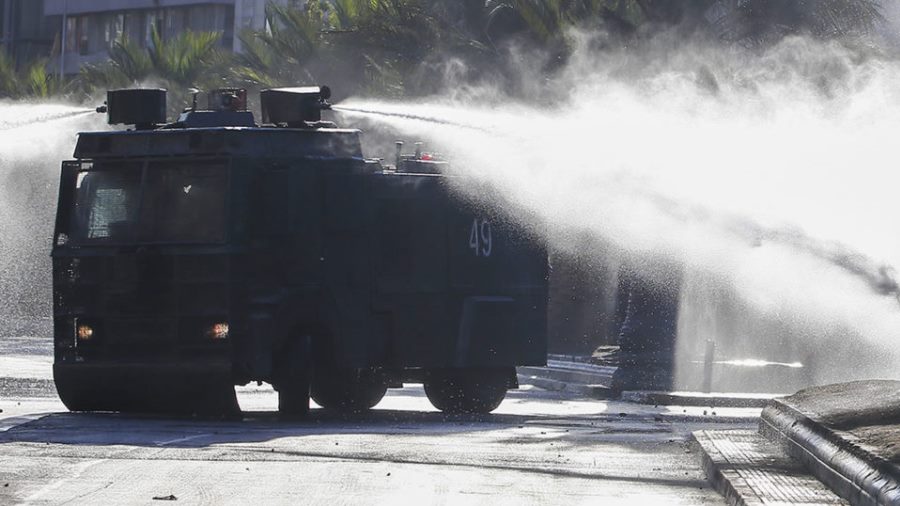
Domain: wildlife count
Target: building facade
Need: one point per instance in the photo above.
(88, 28)
(25, 33)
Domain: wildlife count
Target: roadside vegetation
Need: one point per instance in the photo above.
(403, 48)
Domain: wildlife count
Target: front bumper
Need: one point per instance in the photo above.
(145, 386)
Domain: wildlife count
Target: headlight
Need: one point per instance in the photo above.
(84, 332)
(217, 331)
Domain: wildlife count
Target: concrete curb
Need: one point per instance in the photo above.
(596, 382)
(593, 391)
(848, 469)
(561, 374)
(695, 399)
(571, 373)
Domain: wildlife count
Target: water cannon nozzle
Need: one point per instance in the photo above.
(324, 95)
(102, 109)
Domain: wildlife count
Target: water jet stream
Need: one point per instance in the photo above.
(394, 114)
(11, 125)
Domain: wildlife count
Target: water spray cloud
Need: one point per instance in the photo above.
(772, 173)
(34, 138)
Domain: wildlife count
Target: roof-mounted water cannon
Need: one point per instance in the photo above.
(295, 107)
(227, 100)
(144, 108)
(225, 107)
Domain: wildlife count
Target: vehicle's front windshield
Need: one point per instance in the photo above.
(154, 202)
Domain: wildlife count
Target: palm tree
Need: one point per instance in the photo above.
(283, 53)
(759, 21)
(374, 46)
(747, 21)
(191, 59)
(547, 21)
(9, 80)
(31, 82)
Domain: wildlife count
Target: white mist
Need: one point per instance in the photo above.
(771, 177)
(34, 139)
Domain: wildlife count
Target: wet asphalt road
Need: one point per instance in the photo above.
(537, 448)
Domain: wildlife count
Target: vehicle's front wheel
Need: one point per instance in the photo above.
(348, 390)
(467, 390)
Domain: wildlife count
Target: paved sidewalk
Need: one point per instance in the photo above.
(846, 435)
(750, 470)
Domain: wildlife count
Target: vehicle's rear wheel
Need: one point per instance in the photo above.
(467, 390)
(348, 390)
(292, 372)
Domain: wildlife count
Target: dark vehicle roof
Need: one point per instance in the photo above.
(269, 142)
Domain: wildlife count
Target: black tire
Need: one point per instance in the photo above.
(292, 373)
(466, 390)
(348, 390)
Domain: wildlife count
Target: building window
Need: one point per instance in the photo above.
(152, 21)
(96, 33)
(77, 40)
(3, 22)
(133, 26)
(114, 27)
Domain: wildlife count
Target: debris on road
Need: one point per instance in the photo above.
(170, 497)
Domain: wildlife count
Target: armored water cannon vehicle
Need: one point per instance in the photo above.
(196, 255)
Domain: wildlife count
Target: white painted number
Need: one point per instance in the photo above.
(480, 240)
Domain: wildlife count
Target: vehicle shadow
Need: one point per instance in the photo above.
(259, 426)
(401, 413)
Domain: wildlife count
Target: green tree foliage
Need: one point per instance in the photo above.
(384, 47)
(755, 21)
(407, 47)
(33, 81)
(285, 52)
(192, 59)
(761, 21)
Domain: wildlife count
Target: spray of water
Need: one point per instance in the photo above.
(34, 138)
(769, 177)
(23, 115)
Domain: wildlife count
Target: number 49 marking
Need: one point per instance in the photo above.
(480, 240)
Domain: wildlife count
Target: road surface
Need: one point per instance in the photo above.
(538, 448)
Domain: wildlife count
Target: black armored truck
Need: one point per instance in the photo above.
(196, 255)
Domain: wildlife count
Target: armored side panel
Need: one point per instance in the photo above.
(462, 286)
